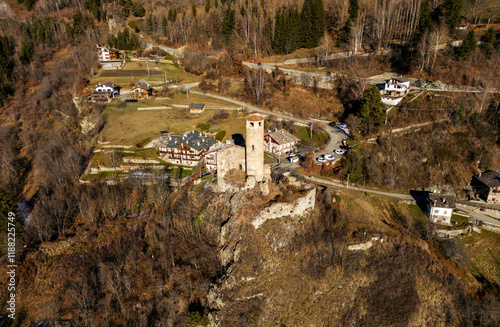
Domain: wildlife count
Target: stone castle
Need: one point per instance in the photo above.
(235, 161)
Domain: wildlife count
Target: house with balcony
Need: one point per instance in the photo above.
(106, 54)
(188, 149)
(394, 90)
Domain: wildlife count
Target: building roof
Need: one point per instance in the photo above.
(402, 79)
(491, 178)
(196, 106)
(110, 84)
(193, 139)
(96, 93)
(442, 201)
(141, 88)
(255, 118)
(282, 136)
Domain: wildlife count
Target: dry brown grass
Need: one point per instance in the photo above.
(130, 126)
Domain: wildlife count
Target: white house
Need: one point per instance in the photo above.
(280, 141)
(105, 54)
(394, 90)
(109, 87)
(441, 208)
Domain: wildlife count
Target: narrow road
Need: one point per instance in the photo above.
(320, 181)
(253, 108)
(334, 134)
(479, 216)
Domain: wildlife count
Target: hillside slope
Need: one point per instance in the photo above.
(198, 257)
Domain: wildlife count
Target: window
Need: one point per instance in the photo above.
(436, 211)
(241, 167)
(260, 123)
(253, 147)
(445, 212)
(251, 124)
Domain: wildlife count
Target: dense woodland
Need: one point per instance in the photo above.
(47, 51)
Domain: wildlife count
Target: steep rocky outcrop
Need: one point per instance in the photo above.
(313, 267)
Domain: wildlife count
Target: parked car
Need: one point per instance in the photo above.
(329, 157)
(321, 160)
(293, 159)
(341, 152)
(291, 154)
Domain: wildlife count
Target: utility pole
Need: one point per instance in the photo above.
(347, 181)
(311, 130)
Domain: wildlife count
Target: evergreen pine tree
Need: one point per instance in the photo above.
(207, 6)
(228, 23)
(172, 15)
(193, 10)
(149, 24)
(371, 110)
(465, 50)
(488, 41)
(425, 23)
(164, 24)
(353, 9)
(452, 12)
(313, 22)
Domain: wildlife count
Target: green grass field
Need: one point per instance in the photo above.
(132, 72)
(303, 133)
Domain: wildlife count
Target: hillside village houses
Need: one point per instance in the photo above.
(394, 90)
(280, 141)
(486, 186)
(441, 208)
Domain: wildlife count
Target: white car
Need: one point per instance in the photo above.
(321, 160)
(291, 154)
(339, 152)
(329, 157)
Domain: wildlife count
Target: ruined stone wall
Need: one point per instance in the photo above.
(230, 157)
(301, 206)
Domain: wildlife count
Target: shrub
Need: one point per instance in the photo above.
(220, 136)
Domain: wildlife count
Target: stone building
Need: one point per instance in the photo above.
(249, 159)
(486, 186)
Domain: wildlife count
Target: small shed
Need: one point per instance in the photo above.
(196, 108)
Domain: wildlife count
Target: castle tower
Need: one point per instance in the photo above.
(255, 147)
